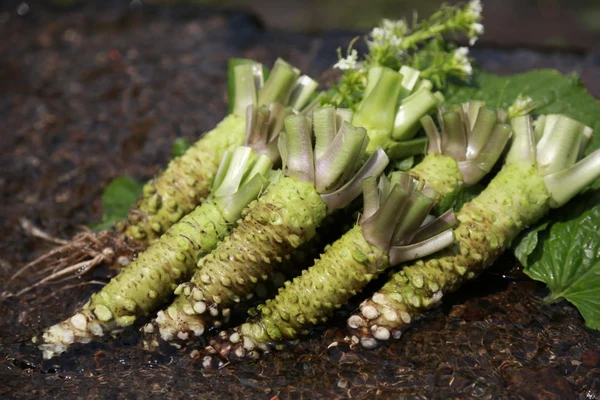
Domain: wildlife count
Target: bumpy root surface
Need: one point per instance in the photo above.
(285, 217)
(311, 298)
(184, 184)
(428, 171)
(516, 198)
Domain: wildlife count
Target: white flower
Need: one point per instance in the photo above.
(349, 62)
(378, 34)
(395, 41)
(461, 53)
(461, 60)
(474, 32)
(475, 8)
(388, 37)
(394, 28)
(468, 69)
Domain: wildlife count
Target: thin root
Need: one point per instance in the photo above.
(72, 259)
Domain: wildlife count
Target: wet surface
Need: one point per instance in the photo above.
(99, 92)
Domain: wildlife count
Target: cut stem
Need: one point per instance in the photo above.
(279, 85)
(296, 148)
(406, 123)
(247, 78)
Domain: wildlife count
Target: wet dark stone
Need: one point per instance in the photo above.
(546, 383)
(103, 91)
(590, 358)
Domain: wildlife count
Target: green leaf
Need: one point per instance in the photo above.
(180, 145)
(567, 258)
(527, 243)
(552, 91)
(117, 199)
(562, 249)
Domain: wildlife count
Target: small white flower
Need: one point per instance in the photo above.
(395, 41)
(377, 34)
(388, 33)
(349, 62)
(461, 53)
(475, 8)
(468, 69)
(394, 28)
(461, 60)
(474, 33)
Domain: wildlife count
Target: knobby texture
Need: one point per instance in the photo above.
(185, 182)
(145, 284)
(341, 272)
(515, 198)
(440, 172)
(282, 219)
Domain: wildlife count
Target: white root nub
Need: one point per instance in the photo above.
(368, 343)
(234, 338)
(79, 321)
(370, 312)
(379, 299)
(355, 322)
(200, 307)
(381, 333)
(405, 317)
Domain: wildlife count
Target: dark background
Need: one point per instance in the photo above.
(93, 90)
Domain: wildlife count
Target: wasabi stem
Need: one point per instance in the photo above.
(148, 282)
(392, 108)
(186, 181)
(394, 212)
(464, 149)
(539, 174)
(421, 46)
(281, 220)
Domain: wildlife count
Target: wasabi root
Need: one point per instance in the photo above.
(461, 152)
(148, 282)
(186, 181)
(390, 231)
(540, 173)
(318, 180)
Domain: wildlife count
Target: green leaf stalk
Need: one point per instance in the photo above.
(540, 173)
(148, 282)
(390, 231)
(318, 179)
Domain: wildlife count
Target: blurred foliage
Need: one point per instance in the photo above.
(554, 23)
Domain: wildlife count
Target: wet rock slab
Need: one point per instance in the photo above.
(102, 91)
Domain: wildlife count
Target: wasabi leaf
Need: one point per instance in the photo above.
(562, 250)
(117, 198)
(527, 243)
(551, 91)
(567, 258)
